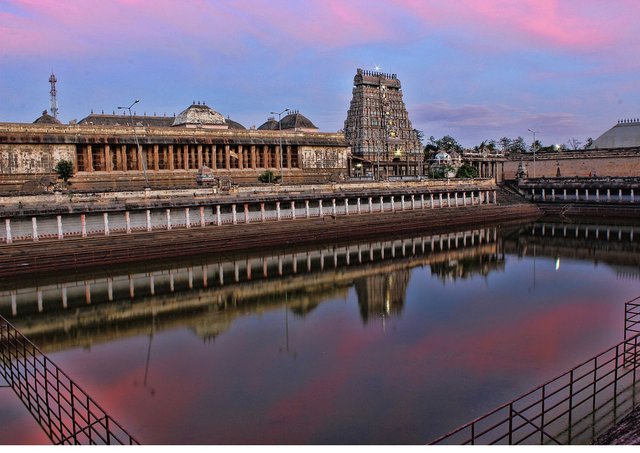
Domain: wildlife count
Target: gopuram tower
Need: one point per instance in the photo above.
(377, 127)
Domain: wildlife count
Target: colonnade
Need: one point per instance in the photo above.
(106, 223)
(108, 158)
(609, 195)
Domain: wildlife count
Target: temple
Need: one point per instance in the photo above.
(383, 142)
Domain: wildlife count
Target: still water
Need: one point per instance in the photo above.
(391, 341)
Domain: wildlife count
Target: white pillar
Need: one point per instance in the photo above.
(218, 215)
(619, 194)
(464, 198)
(83, 225)
(346, 206)
(381, 204)
(455, 196)
(148, 220)
(597, 194)
(543, 195)
(7, 224)
(320, 213)
(633, 199)
(402, 202)
(448, 200)
(608, 194)
(202, 221)
(413, 201)
(262, 216)
(431, 200)
(564, 194)
(393, 204)
(333, 207)
(234, 214)
(168, 219)
(246, 213)
(277, 210)
(34, 224)
(306, 209)
(293, 209)
(422, 201)
(370, 204)
(60, 231)
(105, 218)
(577, 195)
(495, 200)
(358, 208)
(127, 221)
(187, 218)
(553, 194)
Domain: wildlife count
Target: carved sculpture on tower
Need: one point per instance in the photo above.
(382, 139)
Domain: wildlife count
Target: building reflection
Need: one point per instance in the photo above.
(208, 296)
(382, 295)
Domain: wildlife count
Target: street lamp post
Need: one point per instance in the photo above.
(135, 135)
(280, 141)
(534, 146)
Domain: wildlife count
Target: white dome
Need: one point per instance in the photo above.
(199, 114)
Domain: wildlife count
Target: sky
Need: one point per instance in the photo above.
(473, 69)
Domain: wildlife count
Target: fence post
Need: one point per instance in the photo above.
(59, 223)
(148, 213)
(7, 224)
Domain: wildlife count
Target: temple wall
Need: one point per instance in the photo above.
(318, 157)
(33, 159)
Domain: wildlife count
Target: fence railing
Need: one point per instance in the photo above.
(63, 410)
(575, 407)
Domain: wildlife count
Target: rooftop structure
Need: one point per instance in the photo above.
(625, 134)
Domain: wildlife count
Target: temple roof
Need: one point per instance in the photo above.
(46, 119)
(200, 115)
(233, 124)
(296, 120)
(97, 119)
(270, 125)
(625, 134)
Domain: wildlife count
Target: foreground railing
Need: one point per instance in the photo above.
(63, 410)
(572, 408)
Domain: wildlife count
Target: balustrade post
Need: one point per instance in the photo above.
(34, 225)
(422, 201)
(293, 209)
(277, 210)
(246, 213)
(105, 218)
(202, 220)
(127, 221)
(60, 230)
(168, 211)
(553, 194)
(495, 197)
(320, 213)
(619, 194)
(413, 202)
(381, 204)
(7, 225)
(218, 215)
(455, 196)
(262, 216)
(187, 218)
(346, 206)
(370, 205)
(306, 209)
(402, 202)
(83, 226)
(148, 213)
(333, 207)
(358, 208)
(393, 205)
(464, 198)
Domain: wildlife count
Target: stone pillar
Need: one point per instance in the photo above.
(246, 213)
(586, 194)
(320, 208)
(108, 159)
(448, 199)
(187, 218)
(214, 157)
(577, 195)
(608, 194)
(168, 211)
(564, 194)
(202, 220)
(218, 216)
(455, 196)
(633, 198)
(393, 206)
(495, 199)
(473, 198)
(402, 202)
(346, 206)
(288, 148)
(89, 160)
(293, 209)
(619, 194)
(156, 157)
(597, 194)
(227, 157)
(262, 216)
(543, 195)
(370, 205)
(333, 207)
(200, 161)
(381, 203)
(234, 219)
(149, 227)
(421, 201)
(254, 164)
(277, 210)
(464, 198)
(431, 200)
(413, 201)
(240, 153)
(440, 200)
(60, 231)
(127, 221)
(171, 167)
(553, 194)
(105, 218)
(306, 209)
(358, 207)
(83, 226)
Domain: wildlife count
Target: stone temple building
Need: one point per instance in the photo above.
(625, 134)
(132, 151)
(383, 141)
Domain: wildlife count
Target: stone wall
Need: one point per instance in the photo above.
(33, 159)
(579, 163)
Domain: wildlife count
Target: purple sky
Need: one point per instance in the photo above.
(476, 70)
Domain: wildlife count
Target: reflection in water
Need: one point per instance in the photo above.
(264, 348)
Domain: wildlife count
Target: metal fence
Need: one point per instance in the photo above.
(63, 410)
(575, 407)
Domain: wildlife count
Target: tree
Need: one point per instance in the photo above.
(268, 177)
(588, 143)
(505, 143)
(518, 145)
(420, 135)
(446, 143)
(574, 144)
(467, 171)
(64, 169)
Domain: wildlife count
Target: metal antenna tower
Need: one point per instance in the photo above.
(53, 92)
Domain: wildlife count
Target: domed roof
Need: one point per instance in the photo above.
(234, 124)
(199, 114)
(296, 120)
(442, 155)
(270, 125)
(46, 119)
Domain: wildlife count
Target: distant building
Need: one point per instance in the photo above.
(383, 141)
(625, 134)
